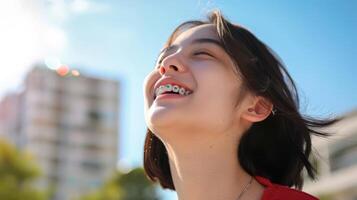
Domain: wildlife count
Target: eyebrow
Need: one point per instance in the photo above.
(207, 40)
(196, 41)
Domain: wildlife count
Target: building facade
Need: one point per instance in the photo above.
(336, 162)
(10, 116)
(70, 125)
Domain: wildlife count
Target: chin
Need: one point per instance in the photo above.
(162, 122)
(161, 118)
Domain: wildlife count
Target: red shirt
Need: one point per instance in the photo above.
(280, 192)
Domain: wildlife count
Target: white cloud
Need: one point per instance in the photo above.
(62, 10)
(57, 9)
(80, 6)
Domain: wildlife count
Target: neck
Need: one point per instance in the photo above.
(207, 168)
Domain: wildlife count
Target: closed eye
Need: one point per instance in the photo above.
(202, 53)
(159, 61)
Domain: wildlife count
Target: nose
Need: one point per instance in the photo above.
(170, 63)
(163, 68)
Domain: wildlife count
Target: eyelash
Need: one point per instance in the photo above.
(195, 54)
(202, 52)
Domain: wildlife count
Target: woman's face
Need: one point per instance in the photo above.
(196, 61)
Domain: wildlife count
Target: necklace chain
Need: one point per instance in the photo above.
(245, 188)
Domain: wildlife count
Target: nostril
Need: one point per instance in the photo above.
(174, 67)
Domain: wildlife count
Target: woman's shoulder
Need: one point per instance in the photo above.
(280, 192)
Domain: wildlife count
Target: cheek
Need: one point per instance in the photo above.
(216, 83)
(217, 92)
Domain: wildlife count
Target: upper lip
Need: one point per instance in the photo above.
(171, 81)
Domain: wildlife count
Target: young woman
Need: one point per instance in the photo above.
(223, 118)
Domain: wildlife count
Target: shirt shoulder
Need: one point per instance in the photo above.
(280, 192)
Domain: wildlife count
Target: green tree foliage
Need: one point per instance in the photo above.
(126, 186)
(17, 174)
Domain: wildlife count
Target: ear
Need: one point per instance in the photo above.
(258, 110)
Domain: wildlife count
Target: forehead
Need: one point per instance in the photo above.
(201, 31)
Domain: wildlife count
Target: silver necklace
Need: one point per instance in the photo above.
(245, 188)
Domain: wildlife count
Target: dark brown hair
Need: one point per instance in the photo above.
(277, 148)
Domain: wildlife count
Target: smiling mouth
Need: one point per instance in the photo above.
(172, 91)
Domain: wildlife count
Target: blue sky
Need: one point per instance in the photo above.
(121, 39)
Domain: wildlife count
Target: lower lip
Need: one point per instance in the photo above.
(169, 96)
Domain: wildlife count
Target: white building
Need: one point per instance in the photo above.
(337, 162)
(70, 125)
(10, 116)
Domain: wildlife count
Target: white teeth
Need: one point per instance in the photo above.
(175, 88)
(182, 91)
(161, 89)
(168, 87)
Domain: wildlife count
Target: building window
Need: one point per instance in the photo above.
(94, 116)
(91, 165)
